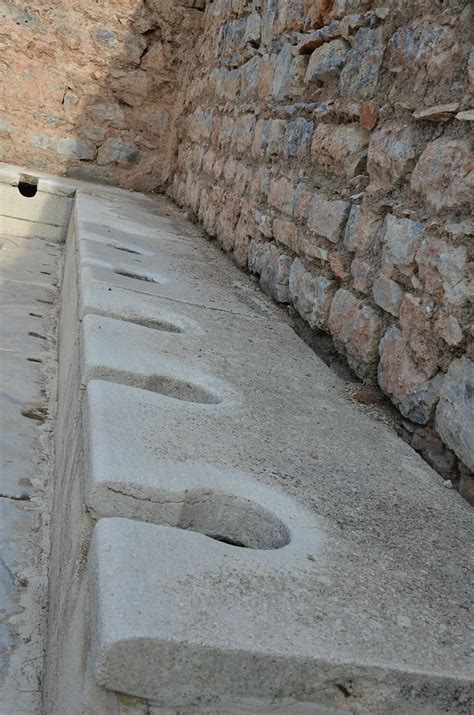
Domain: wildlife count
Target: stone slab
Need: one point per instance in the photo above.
(30, 229)
(180, 271)
(207, 617)
(44, 208)
(177, 408)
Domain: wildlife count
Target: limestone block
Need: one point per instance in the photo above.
(311, 295)
(188, 417)
(116, 151)
(243, 133)
(288, 73)
(154, 277)
(298, 137)
(448, 328)
(76, 148)
(400, 377)
(286, 233)
(111, 114)
(135, 649)
(355, 328)
(455, 411)
(249, 78)
(274, 137)
(391, 156)
(327, 218)
(44, 215)
(266, 72)
(360, 75)
(363, 275)
(281, 195)
(252, 29)
(443, 269)
(327, 61)
(417, 330)
(275, 273)
(340, 149)
(444, 174)
(400, 239)
(302, 202)
(361, 229)
(387, 294)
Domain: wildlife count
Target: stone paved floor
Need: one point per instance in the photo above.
(28, 291)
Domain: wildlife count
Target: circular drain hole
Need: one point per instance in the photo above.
(233, 520)
(28, 186)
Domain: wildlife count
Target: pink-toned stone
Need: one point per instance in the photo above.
(362, 229)
(302, 201)
(285, 232)
(362, 274)
(417, 331)
(408, 386)
(387, 294)
(266, 72)
(355, 327)
(340, 149)
(309, 248)
(281, 195)
(258, 145)
(391, 156)
(327, 218)
(444, 174)
(340, 264)
(368, 115)
(443, 269)
(449, 330)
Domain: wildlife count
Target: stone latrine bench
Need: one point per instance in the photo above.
(230, 534)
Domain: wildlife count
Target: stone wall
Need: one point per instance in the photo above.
(89, 89)
(325, 146)
(324, 143)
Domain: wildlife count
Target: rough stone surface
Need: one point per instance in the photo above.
(340, 150)
(355, 328)
(244, 110)
(444, 174)
(400, 239)
(157, 342)
(327, 61)
(116, 64)
(356, 106)
(327, 218)
(414, 393)
(387, 294)
(391, 156)
(455, 411)
(28, 293)
(311, 295)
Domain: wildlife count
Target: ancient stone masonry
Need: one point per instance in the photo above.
(325, 145)
(89, 89)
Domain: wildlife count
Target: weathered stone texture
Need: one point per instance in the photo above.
(331, 138)
(355, 328)
(356, 143)
(455, 412)
(89, 89)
